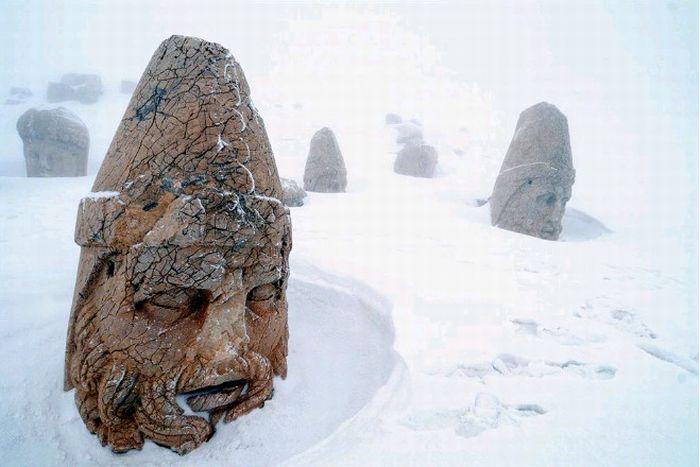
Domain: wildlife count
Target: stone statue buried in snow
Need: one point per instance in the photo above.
(325, 169)
(534, 184)
(80, 87)
(417, 160)
(56, 143)
(181, 286)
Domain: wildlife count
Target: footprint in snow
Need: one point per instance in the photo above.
(561, 335)
(487, 413)
(616, 316)
(511, 365)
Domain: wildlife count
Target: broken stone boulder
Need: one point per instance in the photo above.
(325, 168)
(534, 184)
(417, 160)
(181, 285)
(127, 87)
(293, 194)
(18, 95)
(56, 143)
(84, 88)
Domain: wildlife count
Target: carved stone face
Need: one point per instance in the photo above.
(184, 262)
(197, 307)
(537, 208)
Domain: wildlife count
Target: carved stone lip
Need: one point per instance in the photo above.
(211, 397)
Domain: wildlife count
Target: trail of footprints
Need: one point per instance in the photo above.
(488, 412)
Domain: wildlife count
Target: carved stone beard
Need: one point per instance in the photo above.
(201, 311)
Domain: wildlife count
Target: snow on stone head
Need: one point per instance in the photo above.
(181, 286)
(416, 160)
(534, 184)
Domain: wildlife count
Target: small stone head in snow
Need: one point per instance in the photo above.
(325, 167)
(536, 177)
(56, 143)
(181, 286)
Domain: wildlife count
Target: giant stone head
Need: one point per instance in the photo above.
(534, 184)
(181, 287)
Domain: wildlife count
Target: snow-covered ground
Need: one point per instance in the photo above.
(419, 333)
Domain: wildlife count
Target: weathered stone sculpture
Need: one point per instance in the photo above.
(535, 180)
(181, 286)
(18, 95)
(56, 143)
(293, 194)
(392, 119)
(84, 88)
(325, 168)
(417, 160)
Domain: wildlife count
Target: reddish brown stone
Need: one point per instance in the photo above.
(181, 286)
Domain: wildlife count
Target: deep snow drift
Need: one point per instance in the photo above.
(438, 338)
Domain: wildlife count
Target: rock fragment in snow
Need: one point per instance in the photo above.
(56, 143)
(534, 184)
(18, 95)
(325, 168)
(417, 160)
(81, 87)
(293, 194)
(127, 87)
(181, 286)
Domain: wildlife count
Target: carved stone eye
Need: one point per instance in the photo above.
(168, 308)
(547, 199)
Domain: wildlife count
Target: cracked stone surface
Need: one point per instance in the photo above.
(84, 88)
(325, 168)
(56, 143)
(293, 194)
(181, 286)
(534, 184)
(416, 160)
